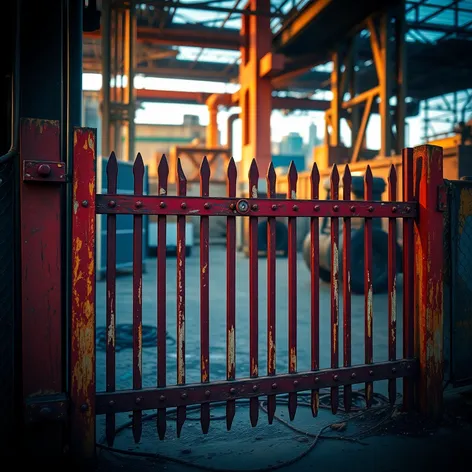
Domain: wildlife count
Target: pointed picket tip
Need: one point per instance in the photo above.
(253, 173)
(205, 168)
(232, 171)
(368, 183)
(392, 183)
(315, 174)
(112, 165)
(138, 166)
(163, 175)
(347, 178)
(271, 180)
(181, 179)
(368, 174)
(292, 179)
(334, 176)
(392, 175)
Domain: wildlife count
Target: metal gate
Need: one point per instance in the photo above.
(420, 364)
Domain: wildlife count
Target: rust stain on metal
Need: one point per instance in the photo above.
(254, 368)
(204, 369)
(465, 208)
(231, 351)
(140, 348)
(111, 327)
(294, 194)
(140, 291)
(162, 191)
(254, 191)
(394, 309)
(204, 268)
(369, 307)
(293, 359)
(271, 351)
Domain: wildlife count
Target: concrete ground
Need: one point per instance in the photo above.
(350, 443)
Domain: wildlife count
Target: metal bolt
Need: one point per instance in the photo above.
(408, 367)
(317, 379)
(274, 207)
(335, 378)
(138, 204)
(295, 207)
(371, 209)
(45, 412)
(138, 400)
(111, 403)
(206, 206)
(394, 209)
(316, 208)
(162, 398)
(44, 170)
(255, 388)
(183, 396)
(232, 391)
(353, 375)
(408, 209)
(243, 206)
(371, 372)
(207, 393)
(183, 205)
(112, 204)
(85, 203)
(254, 207)
(353, 208)
(295, 383)
(232, 206)
(394, 369)
(335, 208)
(274, 385)
(84, 408)
(162, 205)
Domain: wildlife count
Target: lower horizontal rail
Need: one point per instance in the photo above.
(194, 394)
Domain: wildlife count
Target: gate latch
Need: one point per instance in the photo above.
(44, 171)
(46, 408)
(442, 198)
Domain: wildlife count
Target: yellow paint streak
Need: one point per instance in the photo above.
(204, 369)
(204, 268)
(231, 350)
(140, 349)
(271, 352)
(293, 360)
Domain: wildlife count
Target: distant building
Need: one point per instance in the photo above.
(292, 144)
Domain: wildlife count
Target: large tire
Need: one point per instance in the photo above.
(281, 237)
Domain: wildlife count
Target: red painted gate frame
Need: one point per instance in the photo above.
(421, 365)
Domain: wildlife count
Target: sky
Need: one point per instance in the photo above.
(167, 113)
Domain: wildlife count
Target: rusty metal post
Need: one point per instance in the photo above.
(82, 350)
(428, 243)
(256, 91)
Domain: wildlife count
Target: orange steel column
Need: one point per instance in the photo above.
(212, 128)
(255, 93)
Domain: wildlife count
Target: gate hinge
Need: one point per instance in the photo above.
(46, 408)
(44, 171)
(442, 198)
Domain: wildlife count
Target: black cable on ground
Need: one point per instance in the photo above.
(379, 399)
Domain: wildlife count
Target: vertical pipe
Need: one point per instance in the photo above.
(106, 77)
(336, 100)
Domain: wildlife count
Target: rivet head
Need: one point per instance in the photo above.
(274, 207)
(85, 203)
(394, 369)
(317, 379)
(353, 208)
(371, 209)
(138, 204)
(254, 207)
(206, 206)
(45, 412)
(408, 367)
(243, 206)
(335, 208)
(183, 205)
(274, 385)
(183, 396)
(207, 393)
(162, 205)
(408, 209)
(295, 383)
(255, 388)
(371, 372)
(112, 204)
(335, 377)
(138, 400)
(232, 391)
(353, 375)
(84, 407)
(44, 170)
(232, 206)
(111, 403)
(394, 209)
(162, 398)
(316, 208)
(295, 207)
